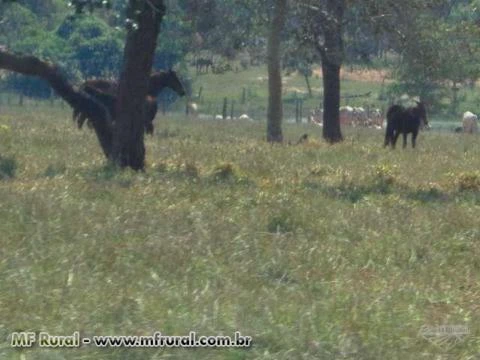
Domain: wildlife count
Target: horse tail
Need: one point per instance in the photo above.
(390, 131)
(75, 114)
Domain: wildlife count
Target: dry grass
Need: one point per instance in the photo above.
(316, 251)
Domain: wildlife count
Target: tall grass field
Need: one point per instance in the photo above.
(315, 251)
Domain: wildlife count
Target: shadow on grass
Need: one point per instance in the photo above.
(353, 193)
(349, 192)
(111, 173)
(8, 167)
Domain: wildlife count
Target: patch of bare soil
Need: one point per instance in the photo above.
(372, 75)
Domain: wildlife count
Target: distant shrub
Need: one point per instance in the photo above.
(161, 167)
(178, 169)
(224, 172)
(319, 170)
(281, 223)
(8, 167)
(384, 177)
(468, 181)
(190, 170)
(54, 170)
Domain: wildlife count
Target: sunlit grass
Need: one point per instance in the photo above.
(316, 251)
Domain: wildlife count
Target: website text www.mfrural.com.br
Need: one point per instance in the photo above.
(192, 340)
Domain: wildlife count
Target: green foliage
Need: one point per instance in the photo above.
(17, 22)
(81, 5)
(439, 54)
(175, 40)
(83, 26)
(47, 46)
(96, 48)
(98, 57)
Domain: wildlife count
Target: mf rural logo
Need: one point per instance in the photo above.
(444, 336)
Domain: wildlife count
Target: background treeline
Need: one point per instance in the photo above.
(431, 50)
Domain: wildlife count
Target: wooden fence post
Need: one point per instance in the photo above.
(232, 108)
(224, 110)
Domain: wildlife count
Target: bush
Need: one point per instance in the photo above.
(468, 181)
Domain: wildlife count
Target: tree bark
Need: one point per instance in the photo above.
(331, 53)
(331, 100)
(128, 141)
(275, 106)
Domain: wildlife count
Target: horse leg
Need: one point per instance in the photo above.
(414, 139)
(388, 139)
(395, 138)
(404, 140)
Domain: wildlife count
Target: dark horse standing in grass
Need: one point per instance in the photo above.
(402, 120)
(105, 92)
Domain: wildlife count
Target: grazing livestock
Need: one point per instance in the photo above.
(353, 116)
(359, 117)
(376, 118)
(470, 123)
(245, 117)
(192, 109)
(202, 65)
(403, 121)
(105, 91)
(316, 116)
(346, 115)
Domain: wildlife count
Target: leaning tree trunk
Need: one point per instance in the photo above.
(78, 100)
(332, 56)
(275, 107)
(128, 141)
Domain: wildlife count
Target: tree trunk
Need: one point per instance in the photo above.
(275, 106)
(332, 56)
(309, 87)
(331, 101)
(128, 140)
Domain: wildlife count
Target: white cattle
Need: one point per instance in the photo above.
(470, 123)
(245, 117)
(316, 116)
(346, 115)
(377, 118)
(359, 116)
(192, 109)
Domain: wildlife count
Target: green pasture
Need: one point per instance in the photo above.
(315, 251)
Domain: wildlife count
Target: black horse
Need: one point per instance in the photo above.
(402, 120)
(105, 92)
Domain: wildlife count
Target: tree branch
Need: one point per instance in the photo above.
(80, 101)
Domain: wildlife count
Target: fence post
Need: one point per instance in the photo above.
(232, 108)
(224, 110)
(297, 109)
(301, 110)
